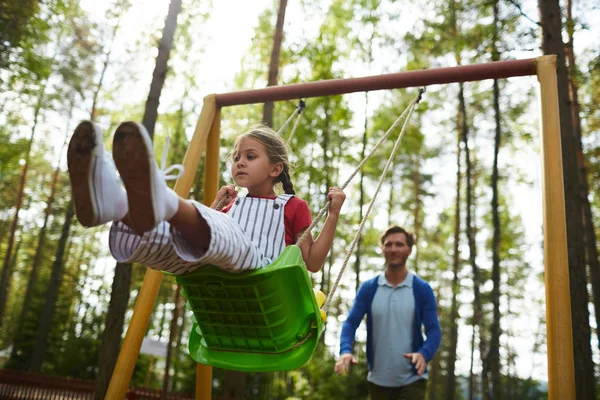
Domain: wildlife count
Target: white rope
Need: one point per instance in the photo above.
(362, 223)
(298, 110)
(220, 203)
(358, 168)
(300, 113)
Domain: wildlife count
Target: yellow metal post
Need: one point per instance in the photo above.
(561, 376)
(211, 186)
(132, 343)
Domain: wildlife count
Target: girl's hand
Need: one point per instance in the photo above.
(225, 195)
(337, 198)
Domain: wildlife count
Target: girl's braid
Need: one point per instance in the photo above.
(286, 182)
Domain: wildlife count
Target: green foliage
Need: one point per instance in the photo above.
(591, 133)
(16, 23)
(321, 382)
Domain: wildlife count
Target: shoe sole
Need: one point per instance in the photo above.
(81, 162)
(133, 160)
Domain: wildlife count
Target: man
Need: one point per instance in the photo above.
(397, 303)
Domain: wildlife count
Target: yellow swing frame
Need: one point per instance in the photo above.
(561, 378)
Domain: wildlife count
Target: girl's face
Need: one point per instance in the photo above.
(252, 169)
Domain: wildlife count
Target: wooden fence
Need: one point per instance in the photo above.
(19, 385)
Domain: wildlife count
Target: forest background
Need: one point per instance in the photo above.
(466, 181)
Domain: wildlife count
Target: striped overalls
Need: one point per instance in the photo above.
(251, 235)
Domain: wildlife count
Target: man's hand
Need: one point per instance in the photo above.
(342, 366)
(418, 360)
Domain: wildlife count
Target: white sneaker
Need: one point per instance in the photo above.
(150, 199)
(97, 190)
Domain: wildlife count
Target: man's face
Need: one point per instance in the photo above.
(395, 250)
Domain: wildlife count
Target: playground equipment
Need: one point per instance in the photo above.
(268, 319)
(561, 380)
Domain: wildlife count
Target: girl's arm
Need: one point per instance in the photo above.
(315, 252)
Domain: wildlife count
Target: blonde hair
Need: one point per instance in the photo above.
(277, 151)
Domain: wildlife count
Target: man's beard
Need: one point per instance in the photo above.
(395, 265)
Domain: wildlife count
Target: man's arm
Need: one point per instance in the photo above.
(355, 316)
(431, 323)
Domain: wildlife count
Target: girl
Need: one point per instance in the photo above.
(153, 226)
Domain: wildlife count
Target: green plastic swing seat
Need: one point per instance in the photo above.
(254, 321)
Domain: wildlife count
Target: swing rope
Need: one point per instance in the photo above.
(299, 108)
(370, 208)
(363, 162)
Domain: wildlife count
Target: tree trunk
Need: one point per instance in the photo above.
(162, 298)
(178, 340)
(42, 336)
(477, 312)
(417, 210)
(105, 67)
(87, 308)
(234, 385)
(391, 198)
(33, 277)
(171, 344)
(160, 70)
(471, 395)
(325, 279)
(435, 372)
(6, 270)
(179, 144)
(274, 64)
(13, 261)
(550, 17)
(113, 328)
(450, 390)
(588, 222)
(39, 351)
(361, 200)
(493, 356)
(78, 303)
(4, 284)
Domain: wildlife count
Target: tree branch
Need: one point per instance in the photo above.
(518, 6)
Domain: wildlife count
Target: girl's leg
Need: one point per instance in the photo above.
(191, 224)
(166, 248)
(188, 222)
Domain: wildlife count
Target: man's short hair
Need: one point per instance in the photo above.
(410, 238)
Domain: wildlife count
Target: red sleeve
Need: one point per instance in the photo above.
(297, 218)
